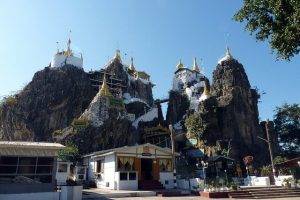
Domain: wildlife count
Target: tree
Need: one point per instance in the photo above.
(287, 126)
(195, 125)
(277, 21)
(69, 153)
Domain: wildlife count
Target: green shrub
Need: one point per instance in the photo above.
(69, 153)
(10, 101)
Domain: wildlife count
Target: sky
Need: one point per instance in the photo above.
(155, 33)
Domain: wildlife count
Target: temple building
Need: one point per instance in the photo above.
(143, 166)
(189, 81)
(67, 57)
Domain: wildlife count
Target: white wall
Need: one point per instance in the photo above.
(61, 177)
(126, 185)
(167, 176)
(59, 60)
(257, 181)
(279, 179)
(31, 196)
(109, 173)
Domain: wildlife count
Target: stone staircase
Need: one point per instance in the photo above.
(264, 193)
(150, 185)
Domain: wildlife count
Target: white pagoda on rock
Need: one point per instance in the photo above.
(67, 57)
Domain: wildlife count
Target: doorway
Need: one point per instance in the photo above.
(146, 169)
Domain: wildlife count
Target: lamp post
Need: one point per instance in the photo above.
(173, 149)
(204, 166)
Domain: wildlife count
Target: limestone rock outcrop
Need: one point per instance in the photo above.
(237, 109)
(51, 101)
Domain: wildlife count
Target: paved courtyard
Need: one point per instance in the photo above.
(176, 198)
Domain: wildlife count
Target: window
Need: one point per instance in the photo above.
(80, 170)
(132, 176)
(37, 168)
(4, 160)
(100, 166)
(62, 167)
(125, 164)
(123, 176)
(165, 165)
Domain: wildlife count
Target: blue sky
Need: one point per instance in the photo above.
(156, 33)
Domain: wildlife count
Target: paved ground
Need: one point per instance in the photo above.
(177, 198)
(103, 194)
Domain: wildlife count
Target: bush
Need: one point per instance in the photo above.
(266, 171)
(10, 101)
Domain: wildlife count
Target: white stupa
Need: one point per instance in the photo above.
(206, 93)
(67, 57)
(227, 56)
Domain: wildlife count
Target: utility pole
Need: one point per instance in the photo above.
(173, 151)
(172, 145)
(270, 146)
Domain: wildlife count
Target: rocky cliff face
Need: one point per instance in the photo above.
(101, 126)
(136, 87)
(51, 101)
(237, 109)
(178, 106)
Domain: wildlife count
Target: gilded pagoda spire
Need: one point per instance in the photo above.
(131, 66)
(180, 65)
(104, 90)
(195, 65)
(118, 55)
(69, 50)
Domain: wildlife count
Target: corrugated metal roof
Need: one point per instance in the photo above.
(46, 145)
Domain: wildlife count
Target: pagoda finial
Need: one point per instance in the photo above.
(69, 51)
(195, 66)
(180, 65)
(57, 47)
(104, 90)
(131, 66)
(228, 52)
(118, 55)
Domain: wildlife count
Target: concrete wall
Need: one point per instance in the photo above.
(167, 179)
(15, 188)
(189, 184)
(31, 196)
(71, 193)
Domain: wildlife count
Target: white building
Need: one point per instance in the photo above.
(67, 57)
(131, 167)
(190, 82)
